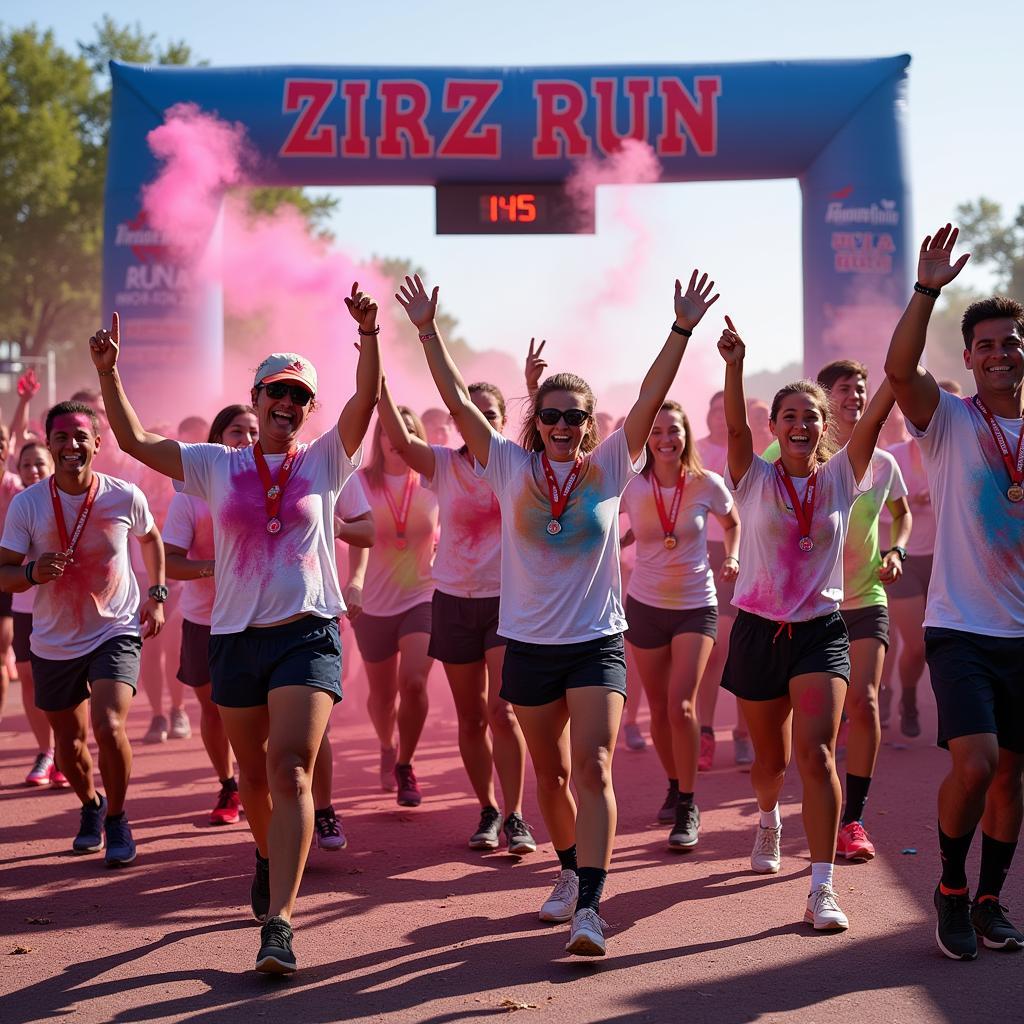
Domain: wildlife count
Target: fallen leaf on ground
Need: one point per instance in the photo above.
(21, 949)
(38, 920)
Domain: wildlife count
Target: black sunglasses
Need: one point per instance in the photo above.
(278, 389)
(572, 417)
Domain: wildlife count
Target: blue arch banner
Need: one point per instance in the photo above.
(836, 126)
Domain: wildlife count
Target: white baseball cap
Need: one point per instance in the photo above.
(286, 366)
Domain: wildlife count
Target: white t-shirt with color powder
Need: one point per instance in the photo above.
(468, 558)
(908, 456)
(715, 457)
(977, 585)
(567, 588)
(398, 579)
(97, 598)
(264, 578)
(776, 579)
(680, 578)
(189, 525)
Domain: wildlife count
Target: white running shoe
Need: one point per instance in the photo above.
(766, 858)
(586, 936)
(823, 910)
(561, 904)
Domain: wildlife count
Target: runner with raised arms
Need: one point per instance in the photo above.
(464, 620)
(671, 604)
(561, 608)
(275, 654)
(789, 653)
(973, 449)
(393, 628)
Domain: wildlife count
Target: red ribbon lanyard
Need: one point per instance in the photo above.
(803, 510)
(559, 496)
(68, 545)
(668, 520)
(273, 490)
(401, 515)
(1015, 467)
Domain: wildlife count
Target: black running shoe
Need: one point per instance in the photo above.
(90, 829)
(954, 932)
(991, 923)
(259, 894)
(486, 836)
(667, 811)
(686, 833)
(518, 835)
(275, 955)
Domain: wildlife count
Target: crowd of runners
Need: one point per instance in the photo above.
(542, 563)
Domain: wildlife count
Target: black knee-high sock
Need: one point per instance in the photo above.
(995, 863)
(857, 787)
(591, 886)
(954, 859)
(567, 858)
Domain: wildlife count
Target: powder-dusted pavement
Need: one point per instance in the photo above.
(407, 924)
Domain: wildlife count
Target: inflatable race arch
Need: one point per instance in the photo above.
(497, 143)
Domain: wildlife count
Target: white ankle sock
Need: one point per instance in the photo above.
(821, 874)
(772, 818)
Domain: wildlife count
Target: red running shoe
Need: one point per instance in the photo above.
(706, 758)
(852, 842)
(409, 794)
(228, 808)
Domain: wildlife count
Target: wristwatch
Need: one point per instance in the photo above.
(902, 552)
(159, 593)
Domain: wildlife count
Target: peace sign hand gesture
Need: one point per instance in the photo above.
(104, 346)
(535, 366)
(363, 309)
(933, 267)
(419, 307)
(691, 306)
(730, 345)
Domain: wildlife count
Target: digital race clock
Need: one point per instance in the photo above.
(510, 209)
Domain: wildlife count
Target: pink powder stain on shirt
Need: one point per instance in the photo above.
(244, 516)
(202, 538)
(91, 581)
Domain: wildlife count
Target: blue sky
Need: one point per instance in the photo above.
(964, 140)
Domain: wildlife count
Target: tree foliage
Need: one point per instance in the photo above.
(54, 124)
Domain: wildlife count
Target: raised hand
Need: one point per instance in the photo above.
(28, 384)
(694, 303)
(535, 365)
(104, 346)
(933, 263)
(730, 344)
(419, 307)
(362, 308)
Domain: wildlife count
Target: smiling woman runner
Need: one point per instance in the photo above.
(561, 606)
(789, 652)
(275, 655)
(671, 603)
(464, 625)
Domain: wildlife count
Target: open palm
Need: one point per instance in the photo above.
(420, 307)
(934, 269)
(692, 304)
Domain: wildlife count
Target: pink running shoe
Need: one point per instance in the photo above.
(228, 808)
(39, 774)
(852, 842)
(58, 780)
(409, 794)
(706, 758)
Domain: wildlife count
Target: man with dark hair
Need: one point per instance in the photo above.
(974, 626)
(867, 570)
(73, 528)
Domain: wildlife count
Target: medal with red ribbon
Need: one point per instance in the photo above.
(1014, 466)
(68, 544)
(273, 490)
(401, 514)
(803, 510)
(668, 519)
(559, 496)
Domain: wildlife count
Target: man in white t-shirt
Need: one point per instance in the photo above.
(86, 639)
(973, 451)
